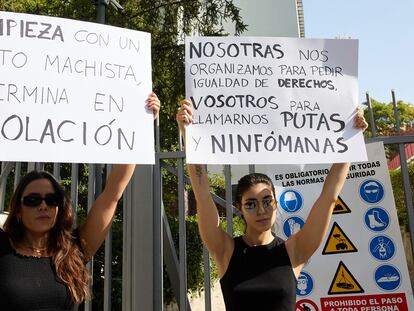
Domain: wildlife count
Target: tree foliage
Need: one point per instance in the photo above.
(385, 122)
(399, 194)
(384, 116)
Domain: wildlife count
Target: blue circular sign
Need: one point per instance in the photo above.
(387, 277)
(377, 219)
(305, 284)
(371, 191)
(292, 225)
(291, 201)
(382, 248)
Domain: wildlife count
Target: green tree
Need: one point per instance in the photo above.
(384, 116)
(385, 121)
(399, 196)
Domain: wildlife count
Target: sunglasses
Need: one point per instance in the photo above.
(31, 200)
(267, 204)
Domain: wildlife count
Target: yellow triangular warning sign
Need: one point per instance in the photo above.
(340, 207)
(337, 242)
(344, 282)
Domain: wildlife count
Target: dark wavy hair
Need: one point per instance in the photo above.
(248, 181)
(67, 256)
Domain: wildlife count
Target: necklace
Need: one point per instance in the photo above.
(248, 242)
(37, 250)
(251, 244)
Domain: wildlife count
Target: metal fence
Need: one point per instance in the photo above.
(148, 244)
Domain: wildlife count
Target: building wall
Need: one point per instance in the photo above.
(269, 18)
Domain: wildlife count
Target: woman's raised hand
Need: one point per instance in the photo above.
(153, 104)
(359, 120)
(184, 115)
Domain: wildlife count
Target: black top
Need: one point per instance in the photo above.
(259, 278)
(29, 283)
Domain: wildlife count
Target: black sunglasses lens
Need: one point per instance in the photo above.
(32, 200)
(52, 200)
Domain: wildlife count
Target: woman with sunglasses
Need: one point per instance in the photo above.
(259, 271)
(42, 260)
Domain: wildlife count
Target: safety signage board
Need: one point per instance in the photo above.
(306, 305)
(344, 282)
(338, 242)
(361, 264)
(341, 207)
(395, 302)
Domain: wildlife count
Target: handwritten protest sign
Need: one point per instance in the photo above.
(73, 91)
(272, 100)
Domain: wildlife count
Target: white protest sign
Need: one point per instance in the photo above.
(73, 91)
(361, 264)
(272, 100)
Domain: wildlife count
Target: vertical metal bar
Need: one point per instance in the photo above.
(229, 200)
(56, 170)
(30, 166)
(108, 264)
(158, 227)
(74, 177)
(182, 236)
(127, 250)
(40, 166)
(142, 243)
(74, 193)
(396, 113)
(171, 258)
(17, 174)
(91, 199)
(108, 271)
(252, 169)
(405, 174)
(6, 168)
(101, 11)
(98, 180)
(100, 18)
(207, 282)
(371, 115)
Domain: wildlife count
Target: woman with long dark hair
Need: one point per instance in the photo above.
(259, 271)
(42, 259)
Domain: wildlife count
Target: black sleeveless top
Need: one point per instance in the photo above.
(259, 278)
(29, 283)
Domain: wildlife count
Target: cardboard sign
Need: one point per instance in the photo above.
(272, 100)
(73, 91)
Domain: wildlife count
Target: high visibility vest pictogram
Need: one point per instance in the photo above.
(340, 207)
(344, 282)
(338, 242)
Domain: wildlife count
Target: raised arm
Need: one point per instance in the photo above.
(304, 243)
(93, 232)
(218, 243)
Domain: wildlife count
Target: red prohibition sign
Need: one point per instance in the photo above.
(301, 307)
